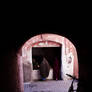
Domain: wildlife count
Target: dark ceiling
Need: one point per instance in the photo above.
(17, 34)
(13, 36)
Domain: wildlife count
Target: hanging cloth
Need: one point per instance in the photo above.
(56, 69)
(44, 68)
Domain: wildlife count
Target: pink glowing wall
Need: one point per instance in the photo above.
(69, 54)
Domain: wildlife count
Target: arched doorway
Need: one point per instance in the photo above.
(69, 59)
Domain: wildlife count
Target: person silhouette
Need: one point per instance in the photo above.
(56, 69)
(44, 69)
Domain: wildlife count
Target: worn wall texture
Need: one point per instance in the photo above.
(69, 54)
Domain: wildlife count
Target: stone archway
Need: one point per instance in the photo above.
(69, 54)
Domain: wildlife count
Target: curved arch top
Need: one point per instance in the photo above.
(54, 40)
(45, 37)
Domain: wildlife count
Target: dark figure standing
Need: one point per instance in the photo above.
(56, 69)
(44, 69)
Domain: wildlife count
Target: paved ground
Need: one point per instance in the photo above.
(48, 86)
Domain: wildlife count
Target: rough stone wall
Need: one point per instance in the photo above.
(27, 72)
(10, 77)
(69, 54)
